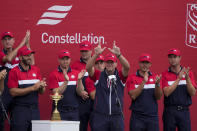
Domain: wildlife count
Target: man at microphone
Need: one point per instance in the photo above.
(144, 90)
(107, 114)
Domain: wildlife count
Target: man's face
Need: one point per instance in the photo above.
(64, 62)
(99, 65)
(174, 60)
(8, 42)
(26, 59)
(85, 54)
(110, 66)
(144, 66)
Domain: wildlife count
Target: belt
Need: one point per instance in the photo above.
(178, 108)
(33, 106)
(67, 109)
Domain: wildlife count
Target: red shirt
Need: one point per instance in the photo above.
(56, 78)
(11, 65)
(19, 77)
(89, 85)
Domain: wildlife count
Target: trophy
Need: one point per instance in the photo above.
(56, 115)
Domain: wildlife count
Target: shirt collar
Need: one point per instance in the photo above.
(82, 61)
(5, 51)
(115, 72)
(138, 73)
(22, 69)
(60, 70)
(170, 70)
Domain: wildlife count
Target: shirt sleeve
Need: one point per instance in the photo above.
(12, 79)
(130, 84)
(89, 85)
(123, 79)
(96, 75)
(53, 83)
(1, 58)
(164, 81)
(191, 75)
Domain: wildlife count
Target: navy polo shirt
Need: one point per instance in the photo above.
(145, 103)
(20, 78)
(105, 99)
(180, 96)
(56, 79)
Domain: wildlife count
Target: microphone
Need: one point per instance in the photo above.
(112, 78)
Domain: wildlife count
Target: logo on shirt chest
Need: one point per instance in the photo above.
(151, 80)
(72, 76)
(16, 59)
(34, 74)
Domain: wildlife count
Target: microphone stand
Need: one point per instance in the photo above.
(3, 109)
(117, 98)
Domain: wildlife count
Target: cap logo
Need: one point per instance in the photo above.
(173, 50)
(145, 56)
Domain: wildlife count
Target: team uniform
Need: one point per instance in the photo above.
(176, 105)
(90, 85)
(25, 108)
(6, 97)
(107, 114)
(144, 108)
(85, 106)
(68, 105)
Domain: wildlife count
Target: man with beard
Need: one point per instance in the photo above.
(178, 86)
(25, 84)
(107, 114)
(144, 90)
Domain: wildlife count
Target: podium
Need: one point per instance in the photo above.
(47, 125)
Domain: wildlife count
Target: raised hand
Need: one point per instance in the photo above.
(81, 74)
(181, 73)
(27, 37)
(98, 50)
(187, 72)
(146, 76)
(3, 74)
(115, 50)
(65, 75)
(157, 79)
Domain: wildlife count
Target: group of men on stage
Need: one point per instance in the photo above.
(93, 88)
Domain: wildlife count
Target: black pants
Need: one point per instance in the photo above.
(143, 123)
(7, 103)
(85, 110)
(70, 115)
(102, 122)
(21, 117)
(173, 118)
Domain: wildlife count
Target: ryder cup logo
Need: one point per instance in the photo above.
(54, 15)
(191, 25)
